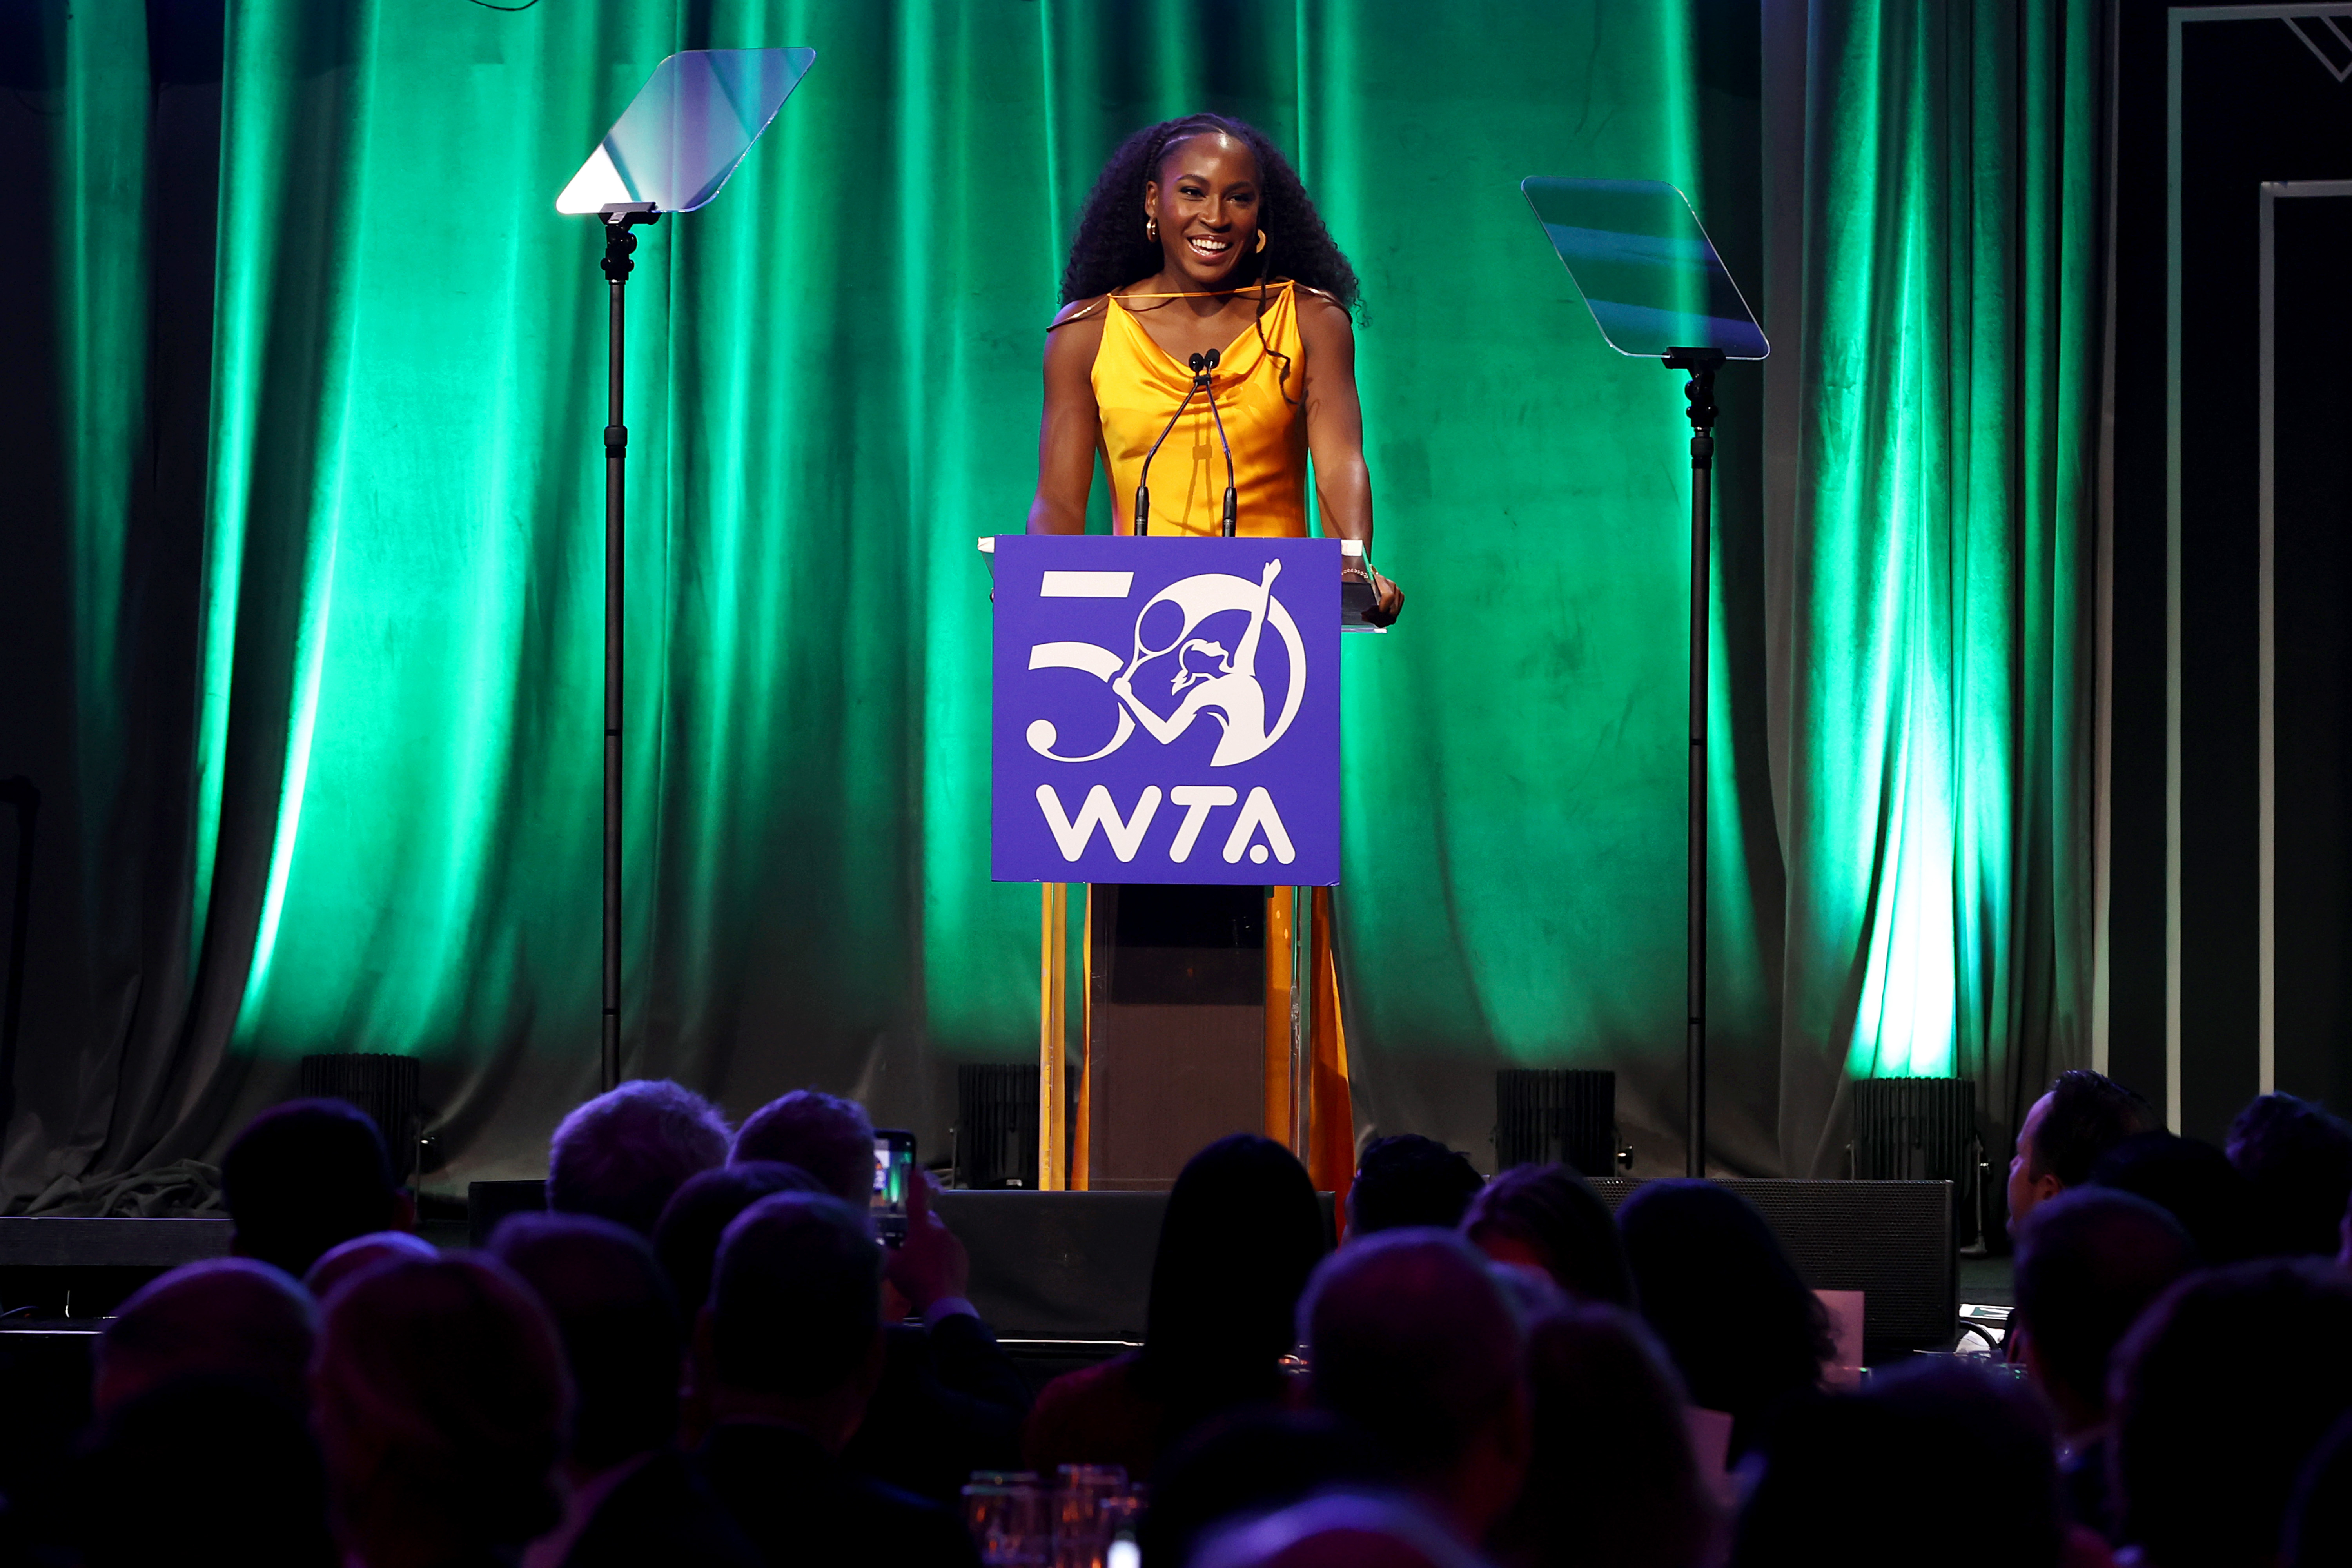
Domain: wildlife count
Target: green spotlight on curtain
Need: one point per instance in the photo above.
(1929, 537)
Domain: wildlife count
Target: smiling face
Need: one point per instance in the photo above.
(1206, 200)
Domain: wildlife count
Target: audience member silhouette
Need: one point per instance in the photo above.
(227, 1316)
(2297, 1162)
(828, 1137)
(2089, 1262)
(1252, 1461)
(204, 1470)
(950, 1401)
(1611, 1482)
(1479, 1387)
(2194, 1183)
(623, 1153)
(1412, 1341)
(1240, 1235)
(686, 1240)
(1867, 1479)
(790, 1346)
(631, 1498)
(1747, 1335)
(686, 1237)
(2065, 1132)
(306, 1175)
(2319, 1518)
(361, 1253)
(2221, 1393)
(441, 1402)
(1409, 1180)
(1548, 1217)
(1344, 1531)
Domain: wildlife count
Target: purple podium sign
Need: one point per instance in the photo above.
(1166, 711)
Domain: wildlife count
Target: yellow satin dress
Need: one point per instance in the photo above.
(1260, 385)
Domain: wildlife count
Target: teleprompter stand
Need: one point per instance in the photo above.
(671, 150)
(620, 247)
(1657, 289)
(1700, 364)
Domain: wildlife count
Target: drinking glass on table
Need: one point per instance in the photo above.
(1120, 1516)
(1081, 1523)
(1009, 1521)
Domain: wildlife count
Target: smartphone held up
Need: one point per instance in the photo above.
(894, 1169)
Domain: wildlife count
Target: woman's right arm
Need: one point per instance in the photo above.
(1067, 436)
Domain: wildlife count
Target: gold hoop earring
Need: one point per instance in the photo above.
(1151, 229)
(1261, 240)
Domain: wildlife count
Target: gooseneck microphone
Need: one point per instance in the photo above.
(1208, 362)
(1200, 365)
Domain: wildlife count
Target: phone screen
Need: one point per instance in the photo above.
(893, 1167)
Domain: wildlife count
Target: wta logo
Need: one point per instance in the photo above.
(1206, 679)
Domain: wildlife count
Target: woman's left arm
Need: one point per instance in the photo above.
(1335, 436)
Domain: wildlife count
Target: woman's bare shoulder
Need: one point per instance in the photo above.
(1325, 309)
(1078, 311)
(1072, 342)
(1324, 324)
(1076, 333)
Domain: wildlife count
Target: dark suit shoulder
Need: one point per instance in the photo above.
(805, 1509)
(662, 1513)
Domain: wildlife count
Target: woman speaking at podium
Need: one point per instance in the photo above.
(1199, 248)
(1199, 238)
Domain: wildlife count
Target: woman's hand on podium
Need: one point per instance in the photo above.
(1388, 599)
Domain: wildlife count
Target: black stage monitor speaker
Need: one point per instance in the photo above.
(385, 1086)
(1555, 1113)
(996, 1125)
(1919, 1130)
(1073, 1267)
(1891, 1241)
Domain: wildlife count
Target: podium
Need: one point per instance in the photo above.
(1165, 758)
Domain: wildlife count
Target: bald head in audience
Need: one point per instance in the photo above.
(441, 1402)
(824, 1134)
(619, 1324)
(1411, 1340)
(623, 1154)
(361, 1254)
(2088, 1263)
(226, 1316)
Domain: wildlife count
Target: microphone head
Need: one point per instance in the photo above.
(1199, 364)
(1208, 361)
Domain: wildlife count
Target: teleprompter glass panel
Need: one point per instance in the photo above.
(1635, 251)
(686, 129)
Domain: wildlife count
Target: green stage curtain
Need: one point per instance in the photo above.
(322, 759)
(1932, 423)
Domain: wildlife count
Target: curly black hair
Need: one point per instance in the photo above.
(1111, 250)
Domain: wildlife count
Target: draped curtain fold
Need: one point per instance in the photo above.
(1929, 539)
(316, 557)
